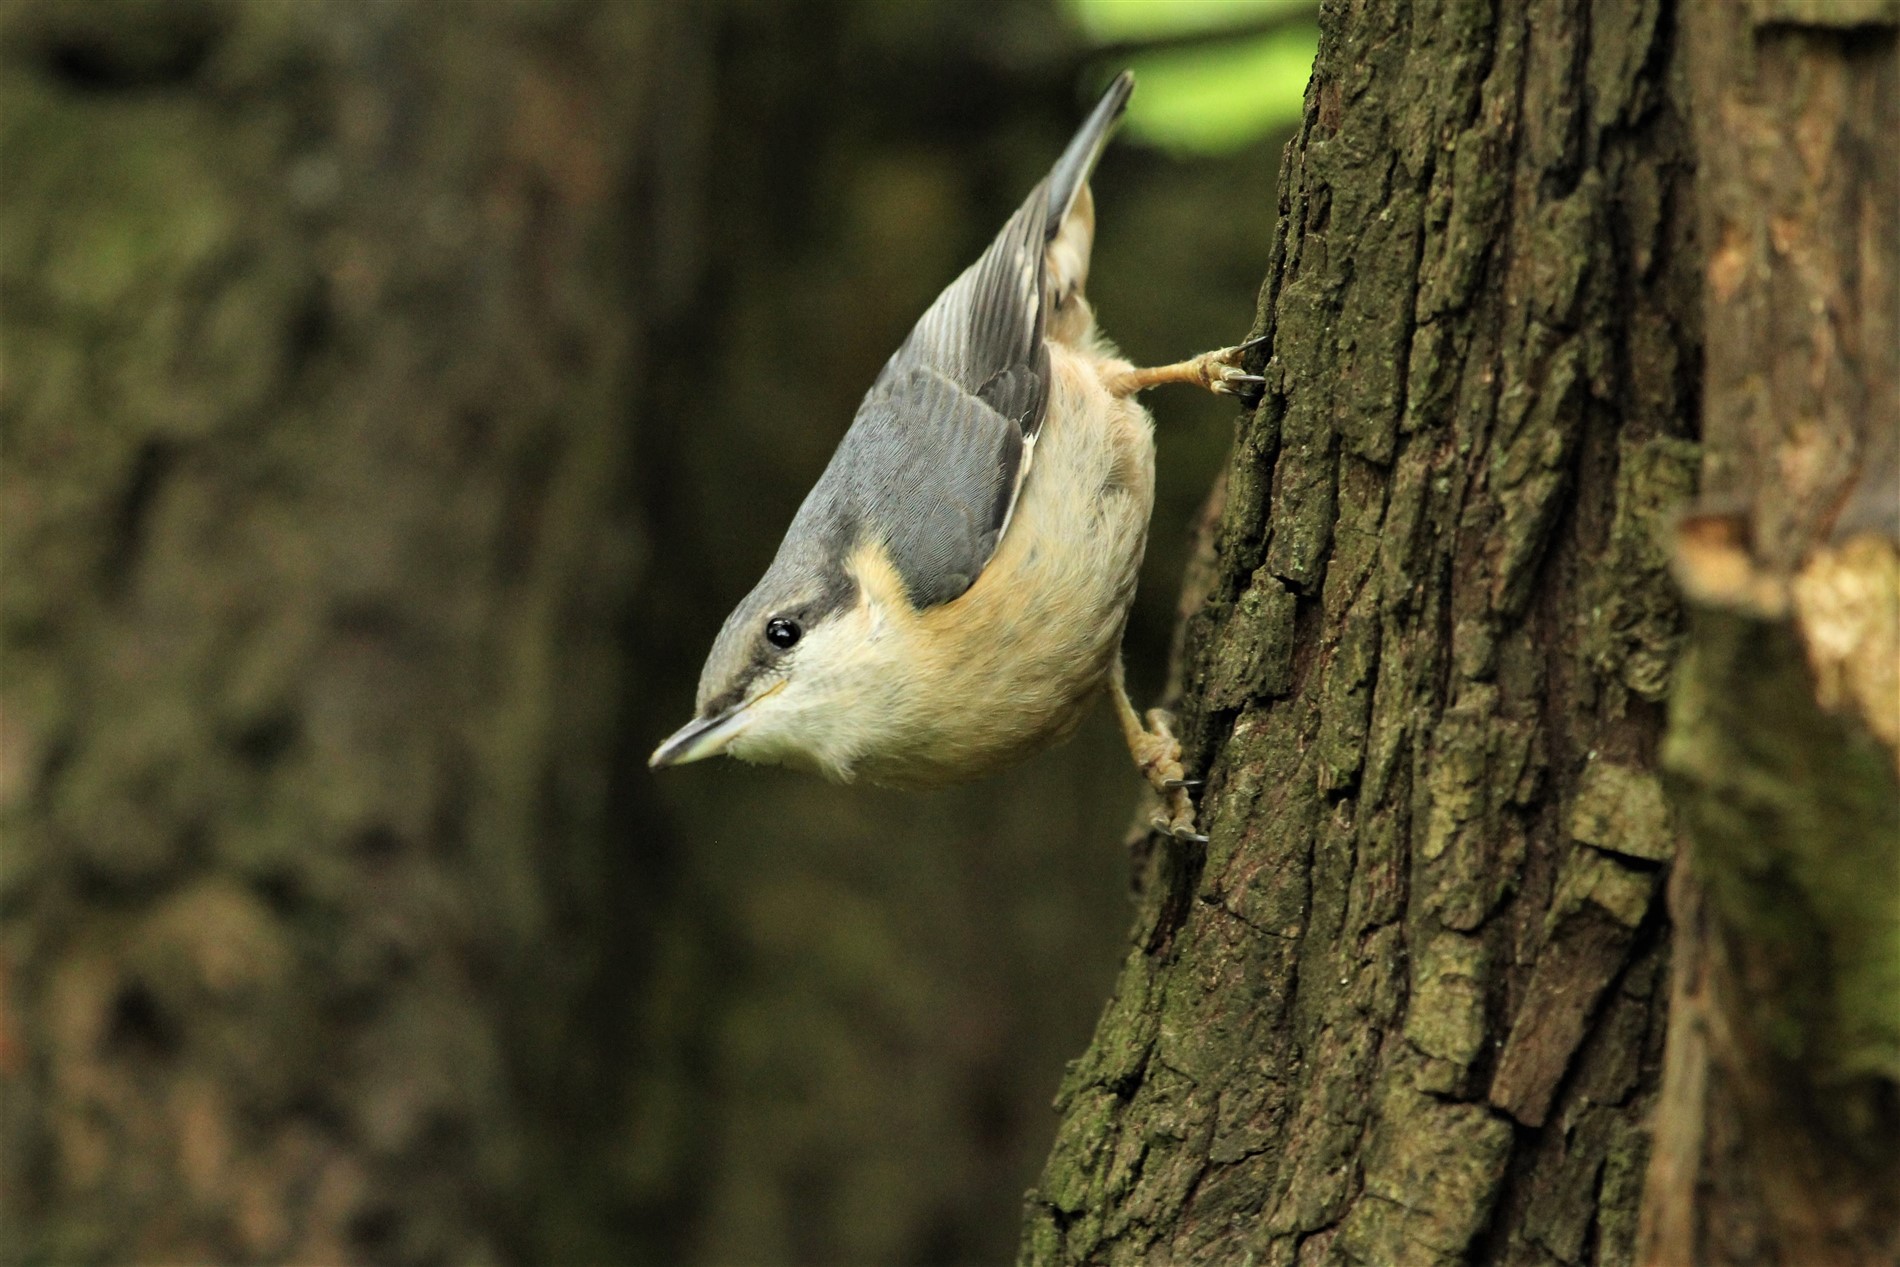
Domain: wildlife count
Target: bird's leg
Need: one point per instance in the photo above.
(1158, 753)
(1217, 371)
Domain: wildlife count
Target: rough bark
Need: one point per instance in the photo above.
(317, 348)
(1778, 1137)
(1408, 1005)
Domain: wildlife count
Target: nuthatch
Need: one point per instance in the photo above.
(952, 592)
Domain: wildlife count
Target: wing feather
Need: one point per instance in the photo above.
(937, 455)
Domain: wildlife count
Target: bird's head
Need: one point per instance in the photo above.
(792, 678)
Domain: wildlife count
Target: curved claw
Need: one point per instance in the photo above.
(1173, 831)
(1188, 835)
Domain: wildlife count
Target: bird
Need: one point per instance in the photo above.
(951, 595)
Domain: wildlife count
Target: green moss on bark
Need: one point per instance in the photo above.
(1399, 978)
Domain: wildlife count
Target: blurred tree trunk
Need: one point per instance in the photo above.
(318, 339)
(1408, 1005)
(1778, 1135)
(355, 375)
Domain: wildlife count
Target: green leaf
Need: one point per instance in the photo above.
(1217, 95)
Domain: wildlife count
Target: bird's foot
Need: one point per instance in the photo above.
(1158, 753)
(1219, 371)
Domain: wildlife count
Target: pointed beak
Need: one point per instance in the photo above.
(707, 736)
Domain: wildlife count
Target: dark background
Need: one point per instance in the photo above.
(396, 398)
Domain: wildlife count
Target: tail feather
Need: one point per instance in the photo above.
(1069, 232)
(1070, 175)
(986, 331)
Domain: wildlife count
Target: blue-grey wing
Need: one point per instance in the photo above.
(984, 332)
(939, 450)
(929, 472)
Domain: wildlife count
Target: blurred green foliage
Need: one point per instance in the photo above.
(1202, 92)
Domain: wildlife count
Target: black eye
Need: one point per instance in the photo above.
(782, 633)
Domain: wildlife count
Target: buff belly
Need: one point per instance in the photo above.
(1012, 665)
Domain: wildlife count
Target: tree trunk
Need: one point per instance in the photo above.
(1408, 1004)
(317, 344)
(1778, 1137)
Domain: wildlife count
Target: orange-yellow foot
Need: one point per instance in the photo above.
(1157, 754)
(1217, 371)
